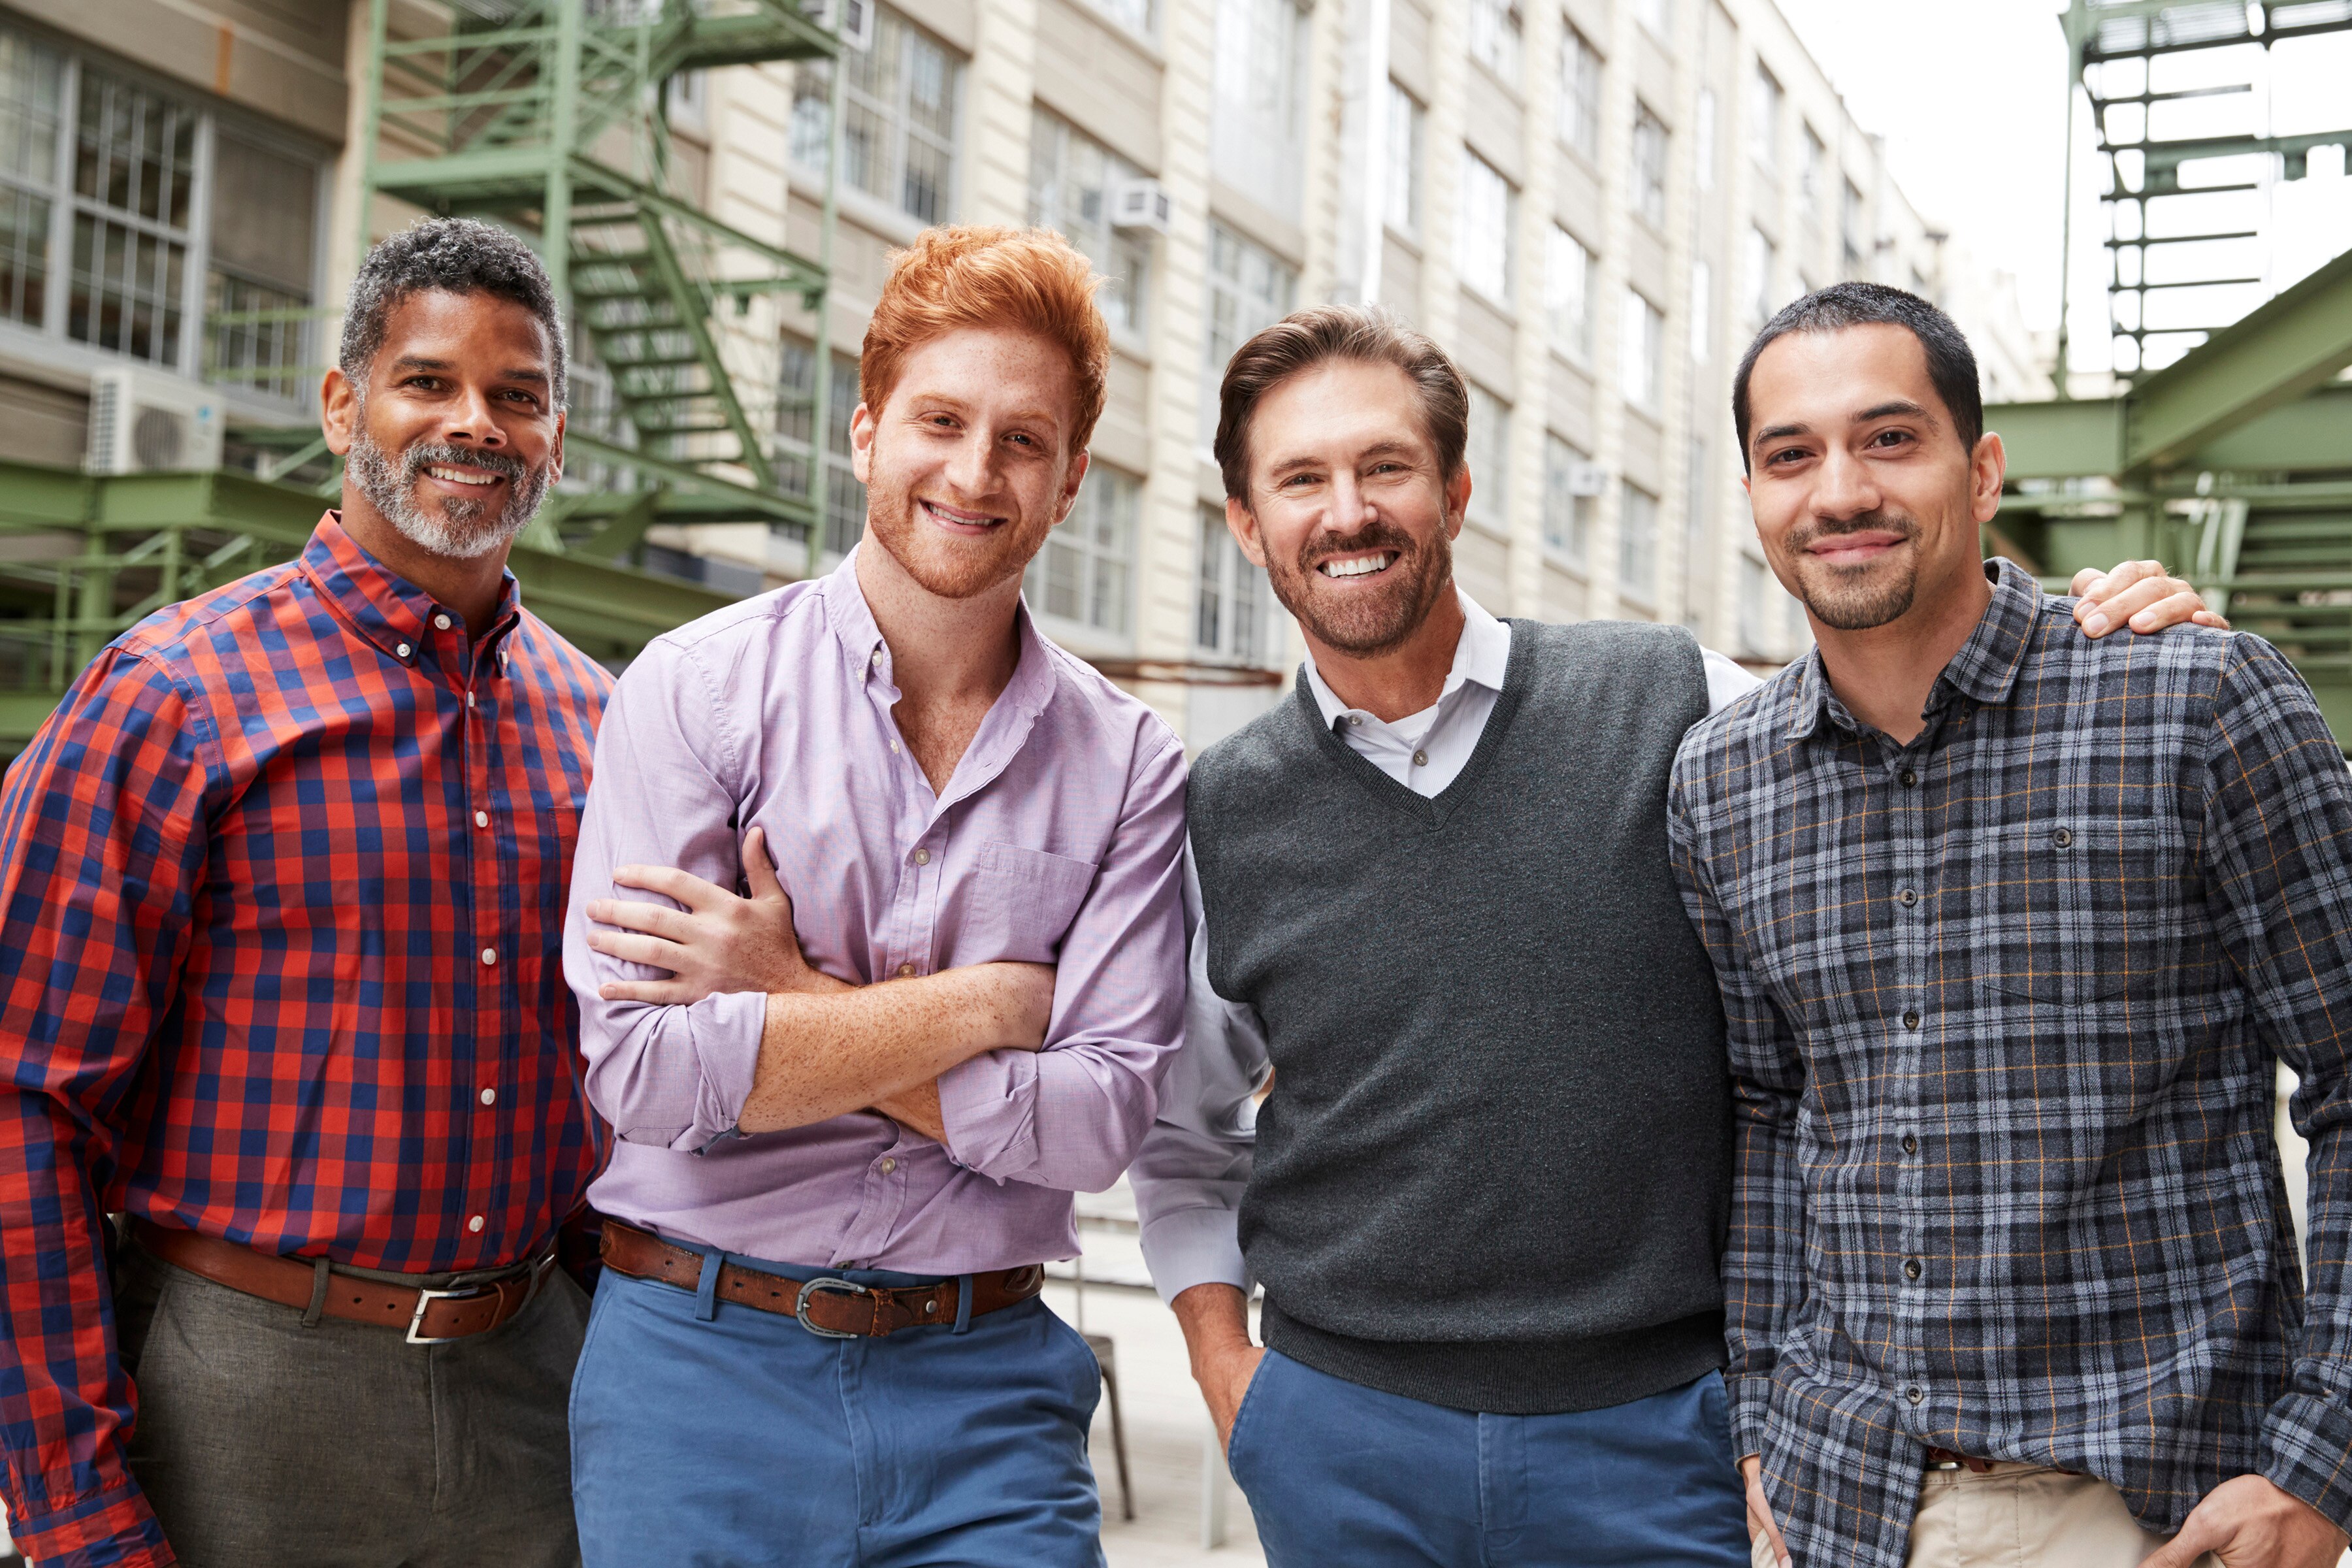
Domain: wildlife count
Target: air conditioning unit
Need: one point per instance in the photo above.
(1141, 204)
(1587, 478)
(856, 21)
(145, 421)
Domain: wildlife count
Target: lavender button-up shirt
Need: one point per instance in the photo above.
(1057, 841)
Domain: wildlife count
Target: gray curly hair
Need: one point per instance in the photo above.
(459, 253)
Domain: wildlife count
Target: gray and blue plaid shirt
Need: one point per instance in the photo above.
(2003, 1004)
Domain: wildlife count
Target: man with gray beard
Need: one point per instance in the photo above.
(281, 901)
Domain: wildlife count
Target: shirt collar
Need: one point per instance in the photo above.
(1480, 657)
(1985, 668)
(387, 609)
(854, 626)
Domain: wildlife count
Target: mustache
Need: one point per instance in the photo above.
(417, 458)
(1877, 521)
(1377, 534)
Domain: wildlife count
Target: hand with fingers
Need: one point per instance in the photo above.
(1760, 1512)
(2138, 593)
(2249, 1523)
(714, 941)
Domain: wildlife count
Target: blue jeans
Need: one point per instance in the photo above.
(1343, 1475)
(719, 1435)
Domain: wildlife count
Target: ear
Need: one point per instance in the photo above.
(1988, 467)
(556, 452)
(1241, 523)
(1457, 502)
(339, 411)
(861, 444)
(1069, 496)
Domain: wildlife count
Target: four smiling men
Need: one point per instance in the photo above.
(892, 925)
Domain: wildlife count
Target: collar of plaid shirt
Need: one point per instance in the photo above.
(281, 899)
(1985, 668)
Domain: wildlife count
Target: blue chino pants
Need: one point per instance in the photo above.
(1347, 1476)
(716, 1436)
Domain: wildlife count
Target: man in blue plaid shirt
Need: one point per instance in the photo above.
(2009, 926)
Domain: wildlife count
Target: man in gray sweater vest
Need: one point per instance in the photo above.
(1487, 1190)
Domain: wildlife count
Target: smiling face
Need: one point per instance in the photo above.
(966, 465)
(1866, 500)
(455, 438)
(1347, 509)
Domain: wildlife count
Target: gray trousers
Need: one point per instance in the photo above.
(264, 1444)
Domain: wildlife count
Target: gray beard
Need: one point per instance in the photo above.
(459, 529)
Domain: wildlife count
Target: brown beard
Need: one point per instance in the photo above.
(1857, 598)
(891, 518)
(1365, 625)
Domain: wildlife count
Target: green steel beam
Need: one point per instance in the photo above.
(2286, 347)
(2086, 438)
(2314, 432)
(2060, 440)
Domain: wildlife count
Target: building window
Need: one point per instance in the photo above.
(1756, 586)
(1568, 505)
(1082, 575)
(1568, 293)
(1703, 128)
(1232, 612)
(1698, 503)
(1136, 15)
(152, 212)
(1702, 313)
(1483, 236)
(1072, 179)
(1637, 544)
(1496, 37)
(844, 498)
(1760, 256)
(1649, 164)
(1852, 226)
(1642, 351)
(1250, 288)
(1489, 454)
(1404, 162)
(1580, 94)
(1258, 133)
(1764, 118)
(1813, 173)
(899, 119)
(1658, 16)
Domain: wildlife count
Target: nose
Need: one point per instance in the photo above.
(1846, 487)
(968, 465)
(470, 419)
(1351, 507)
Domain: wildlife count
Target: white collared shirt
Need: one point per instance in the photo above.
(1194, 1163)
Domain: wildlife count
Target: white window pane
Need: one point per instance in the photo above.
(1483, 232)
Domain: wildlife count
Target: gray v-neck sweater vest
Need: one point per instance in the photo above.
(1494, 1169)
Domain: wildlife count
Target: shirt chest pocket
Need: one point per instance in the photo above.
(2071, 913)
(1019, 904)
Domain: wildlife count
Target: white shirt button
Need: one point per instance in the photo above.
(441, 622)
(904, 971)
(876, 658)
(475, 1225)
(1421, 759)
(489, 1097)
(481, 819)
(489, 955)
(922, 857)
(1355, 719)
(469, 700)
(894, 748)
(401, 650)
(888, 1166)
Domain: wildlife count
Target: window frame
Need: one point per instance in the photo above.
(1250, 313)
(845, 497)
(1470, 251)
(1568, 518)
(1240, 596)
(1642, 341)
(1126, 258)
(1406, 128)
(1577, 118)
(1105, 490)
(1575, 343)
(1637, 546)
(1652, 160)
(802, 123)
(1490, 412)
(1496, 37)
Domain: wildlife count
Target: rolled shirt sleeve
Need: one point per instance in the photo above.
(1194, 1164)
(670, 1076)
(1071, 1115)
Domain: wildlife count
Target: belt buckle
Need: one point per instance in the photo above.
(424, 1299)
(844, 1286)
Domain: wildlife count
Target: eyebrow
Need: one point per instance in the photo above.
(1308, 460)
(1901, 405)
(1771, 432)
(421, 362)
(947, 400)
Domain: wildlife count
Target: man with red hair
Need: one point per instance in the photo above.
(818, 1338)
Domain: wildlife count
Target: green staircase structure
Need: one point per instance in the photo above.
(549, 117)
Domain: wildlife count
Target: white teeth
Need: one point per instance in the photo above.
(453, 477)
(1361, 566)
(948, 514)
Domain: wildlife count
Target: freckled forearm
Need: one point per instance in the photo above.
(826, 1054)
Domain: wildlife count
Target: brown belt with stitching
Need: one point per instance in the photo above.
(835, 1309)
(427, 1316)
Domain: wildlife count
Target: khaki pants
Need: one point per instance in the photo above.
(2020, 1516)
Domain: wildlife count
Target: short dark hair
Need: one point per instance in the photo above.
(1317, 335)
(1952, 365)
(458, 254)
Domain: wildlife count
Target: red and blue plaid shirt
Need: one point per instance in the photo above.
(281, 916)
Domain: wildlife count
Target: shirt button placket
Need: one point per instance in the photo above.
(1912, 942)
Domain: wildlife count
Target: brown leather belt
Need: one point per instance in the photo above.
(835, 1309)
(427, 1317)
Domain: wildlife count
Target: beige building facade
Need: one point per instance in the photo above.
(1590, 203)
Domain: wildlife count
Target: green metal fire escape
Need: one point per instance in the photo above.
(551, 118)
